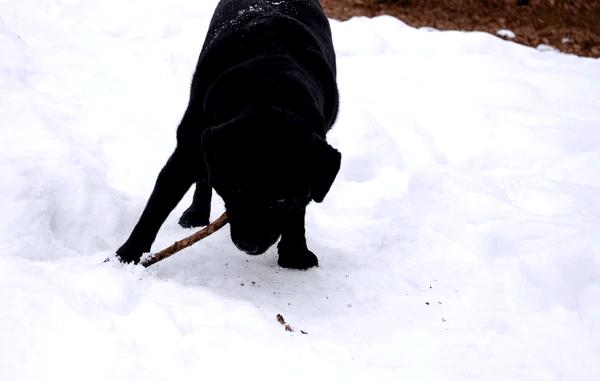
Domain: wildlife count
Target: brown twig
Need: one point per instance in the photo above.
(188, 241)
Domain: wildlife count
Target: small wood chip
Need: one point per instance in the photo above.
(281, 321)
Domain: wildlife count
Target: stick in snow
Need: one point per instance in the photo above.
(188, 241)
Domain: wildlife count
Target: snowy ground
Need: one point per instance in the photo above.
(460, 242)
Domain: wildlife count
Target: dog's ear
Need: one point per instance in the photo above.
(219, 144)
(218, 138)
(325, 164)
(209, 143)
(212, 141)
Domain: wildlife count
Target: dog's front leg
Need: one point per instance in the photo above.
(293, 252)
(199, 212)
(173, 182)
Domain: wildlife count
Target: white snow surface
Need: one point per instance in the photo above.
(506, 33)
(459, 242)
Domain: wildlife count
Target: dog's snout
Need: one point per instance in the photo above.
(248, 247)
(253, 238)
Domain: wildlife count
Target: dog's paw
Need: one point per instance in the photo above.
(301, 259)
(192, 218)
(128, 258)
(129, 254)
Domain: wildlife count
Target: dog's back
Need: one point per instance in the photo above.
(290, 36)
(238, 17)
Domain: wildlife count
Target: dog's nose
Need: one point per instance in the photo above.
(248, 247)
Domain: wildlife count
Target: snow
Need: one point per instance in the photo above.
(460, 240)
(546, 48)
(506, 33)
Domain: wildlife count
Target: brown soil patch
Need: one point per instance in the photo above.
(572, 26)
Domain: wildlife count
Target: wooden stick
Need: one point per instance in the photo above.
(188, 241)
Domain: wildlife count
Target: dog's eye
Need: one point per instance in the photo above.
(278, 203)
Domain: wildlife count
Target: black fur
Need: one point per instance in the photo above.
(262, 98)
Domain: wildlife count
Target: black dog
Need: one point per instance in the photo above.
(262, 98)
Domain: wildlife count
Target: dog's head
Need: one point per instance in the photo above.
(264, 165)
